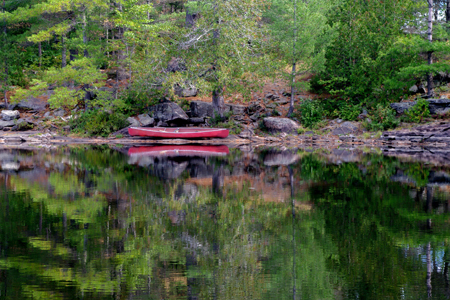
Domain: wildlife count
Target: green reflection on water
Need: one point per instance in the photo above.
(95, 224)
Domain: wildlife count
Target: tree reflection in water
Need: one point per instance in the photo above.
(97, 224)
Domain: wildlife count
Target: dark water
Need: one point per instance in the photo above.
(86, 223)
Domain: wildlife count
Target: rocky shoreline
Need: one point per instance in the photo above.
(34, 127)
(417, 144)
(433, 135)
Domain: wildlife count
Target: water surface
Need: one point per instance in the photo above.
(101, 223)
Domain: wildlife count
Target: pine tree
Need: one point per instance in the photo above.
(222, 50)
(300, 32)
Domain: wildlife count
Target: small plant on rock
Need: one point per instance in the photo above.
(381, 118)
(349, 111)
(419, 111)
(310, 113)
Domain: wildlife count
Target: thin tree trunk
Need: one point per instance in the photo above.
(85, 39)
(40, 54)
(447, 12)
(5, 88)
(291, 104)
(217, 94)
(430, 53)
(218, 101)
(64, 52)
(294, 50)
(107, 38)
(189, 18)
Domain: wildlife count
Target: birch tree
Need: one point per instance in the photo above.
(430, 53)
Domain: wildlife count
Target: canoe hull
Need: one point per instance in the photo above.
(179, 150)
(178, 133)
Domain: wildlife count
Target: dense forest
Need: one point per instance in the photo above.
(118, 58)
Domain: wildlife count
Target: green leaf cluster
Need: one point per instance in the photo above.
(366, 50)
(418, 112)
(98, 122)
(381, 118)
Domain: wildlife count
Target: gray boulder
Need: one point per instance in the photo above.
(8, 115)
(283, 101)
(7, 123)
(401, 107)
(146, 120)
(417, 89)
(133, 122)
(200, 109)
(190, 91)
(59, 112)
(169, 112)
(247, 133)
(33, 103)
(22, 125)
(196, 121)
(436, 106)
(236, 109)
(345, 128)
(254, 107)
(280, 125)
(439, 106)
(255, 117)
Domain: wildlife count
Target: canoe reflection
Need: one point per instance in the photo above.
(179, 150)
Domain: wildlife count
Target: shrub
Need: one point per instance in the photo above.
(348, 111)
(98, 123)
(235, 128)
(340, 108)
(137, 99)
(311, 113)
(418, 111)
(382, 118)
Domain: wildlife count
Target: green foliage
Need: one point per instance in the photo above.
(357, 62)
(234, 127)
(312, 34)
(349, 111)
(79, 72)
(419, 111)
(137, 100)
(382, 118)
(310, 113)
(218, 119)
(98, 123)
(223, 49)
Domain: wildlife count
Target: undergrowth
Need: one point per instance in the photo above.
(98, 123)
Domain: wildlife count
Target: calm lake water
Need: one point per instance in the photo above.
(213, 223)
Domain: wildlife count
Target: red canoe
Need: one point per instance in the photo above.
(178, 133)
(179, 150)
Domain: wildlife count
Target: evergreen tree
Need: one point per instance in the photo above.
(300, 33)
(367, 30)
(223, 50)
